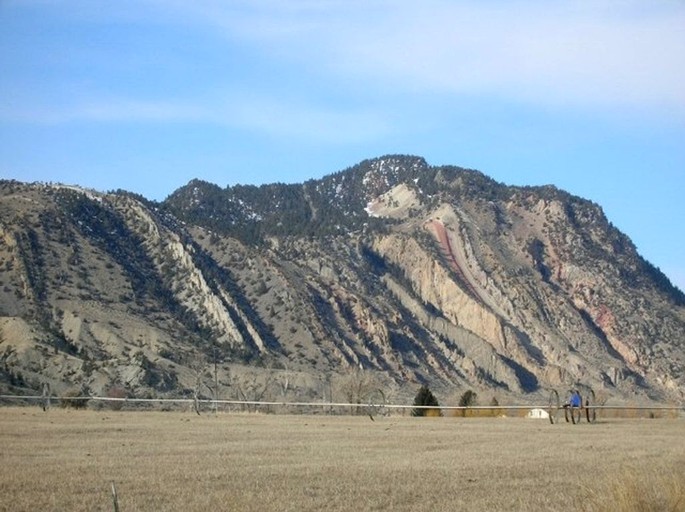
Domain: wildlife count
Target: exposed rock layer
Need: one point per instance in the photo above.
(419, 274)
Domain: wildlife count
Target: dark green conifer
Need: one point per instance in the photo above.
(425, 398)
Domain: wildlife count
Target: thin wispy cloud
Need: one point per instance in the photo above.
(577, 53)
(291, 119)
(599, 56)
(105, 110)
(269, 116)
(528, 91)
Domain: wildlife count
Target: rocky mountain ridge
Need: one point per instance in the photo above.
(414, 273)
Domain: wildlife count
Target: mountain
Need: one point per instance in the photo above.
(389, 274)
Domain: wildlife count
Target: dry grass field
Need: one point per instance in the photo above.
(174, 461)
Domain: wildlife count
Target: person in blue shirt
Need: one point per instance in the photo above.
(575, 400)
(574, 405)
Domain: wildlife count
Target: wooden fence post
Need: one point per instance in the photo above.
(115, 498)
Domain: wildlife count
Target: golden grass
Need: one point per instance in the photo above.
(67, 460)
(637, 490)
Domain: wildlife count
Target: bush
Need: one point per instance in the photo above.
(116, 392)
(426, 398)
(74, 399)
(468, 399)
(494, 412)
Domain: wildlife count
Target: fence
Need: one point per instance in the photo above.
(339, 407)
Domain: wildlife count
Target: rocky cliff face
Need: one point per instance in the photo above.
(414, 273)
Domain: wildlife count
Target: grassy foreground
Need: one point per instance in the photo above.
(68, 459)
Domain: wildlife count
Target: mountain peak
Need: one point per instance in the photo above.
(419, 274)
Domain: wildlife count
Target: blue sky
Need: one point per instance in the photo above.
(145, 95)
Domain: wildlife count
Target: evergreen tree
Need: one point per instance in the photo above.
(468, 399)
(494, 403)
(425, 397)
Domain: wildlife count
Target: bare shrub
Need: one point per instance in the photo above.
(252, 387)
(358, 387)
(631, 490)
(119, 393)
(494, 412)
(75, 398)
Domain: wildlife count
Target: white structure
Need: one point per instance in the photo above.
(538, 414)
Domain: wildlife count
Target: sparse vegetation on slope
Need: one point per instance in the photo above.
(417, 274)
